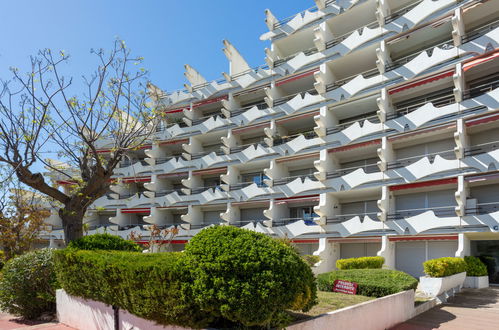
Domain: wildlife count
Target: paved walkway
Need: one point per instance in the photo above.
(9, 322)
(469, 310)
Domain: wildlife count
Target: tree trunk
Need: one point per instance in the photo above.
(73, 224)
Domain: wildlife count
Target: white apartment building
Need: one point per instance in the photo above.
(372, 129)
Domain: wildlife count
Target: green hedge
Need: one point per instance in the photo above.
(442, 267)
(145, 284)
(475, 267)
(28, 284)
(227, 277)
(360, 263)
(371, 282)
(104, 242)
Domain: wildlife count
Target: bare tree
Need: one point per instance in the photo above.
(22, 216)
(40, 113)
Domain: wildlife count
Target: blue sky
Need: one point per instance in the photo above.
(168, 34)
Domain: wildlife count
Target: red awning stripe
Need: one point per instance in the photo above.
(431, 183)
(136, 179)
(65, 182)
(296, 197)
(137, 210)
(217, 170)
(103, 151)
(249, 128)
(310, 114)
(292, 158)
(257, 203)
(420, 131)
(419, 82)
(304, 241)
(209, 101)
(296, 77)
(172, 207)
(169, 175)
(174, 142)
(423, 238)
(177, 110)
(480, 59)
(481, 120)
(355, 146)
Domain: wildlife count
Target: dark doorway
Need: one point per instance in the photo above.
(488, 252)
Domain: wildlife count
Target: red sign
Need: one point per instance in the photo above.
(345, 287)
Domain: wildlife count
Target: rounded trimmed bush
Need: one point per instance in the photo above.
(475, 267)
(246, 277)
(28, 284)
(371, 282)
(360, 263)
(104, 242)
(445, 266)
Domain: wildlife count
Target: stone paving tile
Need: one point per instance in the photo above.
(472, 309)
(9, 322)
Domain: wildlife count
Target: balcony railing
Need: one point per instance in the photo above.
(161, 160)
(281, 140)
(401, 12)
(440, 211)
(344, 217)
(242, 223)
(483, 208)
(287, 19)
(448, 44)
(287, 98)
(244, 146)
(241, 185)
(338, 83)
(199, 190)
(368, 168)
(480, 31)
(288, 179)
(402, 162)
(309, 221)
(165, 192)
(129, 195)
(196, 155)
(481, 148)
(259, 105)
(338, 128)
(337, 40)
(438, 99)
(127, 163)
(202, 225)
(481, 89)
(204, 118)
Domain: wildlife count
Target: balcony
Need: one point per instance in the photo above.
(439, 211)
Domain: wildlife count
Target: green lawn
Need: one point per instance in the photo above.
(330, 301)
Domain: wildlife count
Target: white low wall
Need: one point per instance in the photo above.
(381, 313)
(84, 314)
(436, 286)
(476, 282)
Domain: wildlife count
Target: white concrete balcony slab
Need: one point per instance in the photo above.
(207, 196)
(297, 185)
(252, 152)
(250, 77)
(298, 102)
(297, 144)
(249, 192)
(353, 179)
(424, 220)
(211, 123)
(293, 229)
(347, 225)
(209, 160)
(250, 115)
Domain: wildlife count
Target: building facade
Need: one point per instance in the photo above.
(373, 129)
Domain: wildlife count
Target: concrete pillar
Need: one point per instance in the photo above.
(388, 252)
(463, 246)
(329, 252)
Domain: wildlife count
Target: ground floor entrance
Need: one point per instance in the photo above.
(488, 252)
(410, 255)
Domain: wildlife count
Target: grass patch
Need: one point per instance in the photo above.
(330, 301)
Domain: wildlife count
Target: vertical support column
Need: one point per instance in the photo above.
(329, 252)
(324, 120)
(194, 77)
(323, 77)
(459, 83)
(328, 207)
(384, 204)
(384, 105)
(276, 211)
(194, 215)
(229, 105)
(194, 146)
(387, 251)
(461, 138)
(458, 30)
(322, 34)
(232, 214)
(385, 153)
(275, 171)
(463, 246)
(382, 11)
(461, 196)
(326, 163)
(230, 141)
(237, 64)
(232, 177)
(383, 57)
(270, 19)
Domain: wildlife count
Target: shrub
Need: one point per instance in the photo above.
(442, 267)
(28, 284)
(2, 259)
(104, 242)
(475, 267)
(145, 284)
(371, 282)
(246, 277)
(360, 263)
(311, 260)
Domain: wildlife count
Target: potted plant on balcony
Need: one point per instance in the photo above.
(444, 277)
(476, 273)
